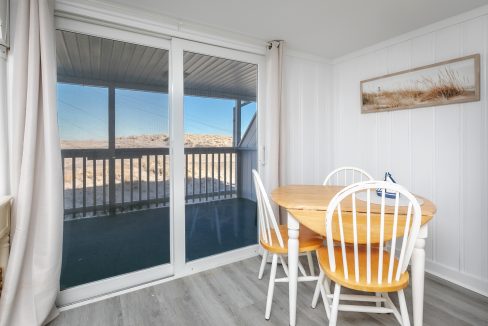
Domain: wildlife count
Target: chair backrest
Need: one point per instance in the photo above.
(266, 217)
(385, 223)
(346, 175)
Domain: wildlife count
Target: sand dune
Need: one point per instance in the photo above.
(152, 141)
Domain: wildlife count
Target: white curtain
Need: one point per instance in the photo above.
(272, 129)
(32, 276)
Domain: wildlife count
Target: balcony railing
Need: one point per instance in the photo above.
(104, 181)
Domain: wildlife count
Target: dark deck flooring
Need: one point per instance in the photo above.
(106, 246)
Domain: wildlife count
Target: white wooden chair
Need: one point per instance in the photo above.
(265, 254)
(346, 175)
(361, 261)
(274, 240)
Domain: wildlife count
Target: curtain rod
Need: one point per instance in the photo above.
(270, 43)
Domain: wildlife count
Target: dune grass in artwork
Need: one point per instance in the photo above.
(443, 83)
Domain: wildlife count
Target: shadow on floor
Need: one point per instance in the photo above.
(106, 246)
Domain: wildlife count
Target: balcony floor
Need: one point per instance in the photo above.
(105, 246)
(233, 295)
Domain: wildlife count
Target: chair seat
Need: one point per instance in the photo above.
(362, 285)
(308, 241)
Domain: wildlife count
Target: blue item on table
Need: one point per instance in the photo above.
(379, 191)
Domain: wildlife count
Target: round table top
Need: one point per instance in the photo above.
(308, 204)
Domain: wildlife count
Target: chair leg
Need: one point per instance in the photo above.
(284, 265)
(391, 305)
(301, 268)
(378, 304)
(272, 277)
(403, 308)
(316, 294)
(310, 263)
(335, 305)
(325, 291)
(263, 264)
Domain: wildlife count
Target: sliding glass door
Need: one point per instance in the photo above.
(114, 127)
(220, 138)
(158, 140)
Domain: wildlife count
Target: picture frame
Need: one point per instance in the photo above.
(443, 83)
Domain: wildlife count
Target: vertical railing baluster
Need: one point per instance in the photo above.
(213, 176)
(206, 176)
(164, 179)
(104, 184)
(94, 186)
(230, 173)
(148, 179)
(200, 177)
(238, 173)
(112, 192)
(84, 185)
(140, 179)
(187, 174)
(122, 181)
(112, 188)
(156, 172)
(73, 183)
(193, 176)
(218, 170)
(225, 175)
(131, 172)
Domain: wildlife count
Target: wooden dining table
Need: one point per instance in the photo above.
(307, 205)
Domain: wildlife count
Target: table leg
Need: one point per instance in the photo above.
(418, 270)
(293, 231)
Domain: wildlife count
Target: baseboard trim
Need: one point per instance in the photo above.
(456, 277)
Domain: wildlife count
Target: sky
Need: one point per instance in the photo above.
(83, 113)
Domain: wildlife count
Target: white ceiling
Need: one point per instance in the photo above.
(329, 28)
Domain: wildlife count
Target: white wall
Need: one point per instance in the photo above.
(307, 133)
(440, 152)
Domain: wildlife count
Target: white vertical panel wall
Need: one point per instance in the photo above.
(307, 130)
(439, 152)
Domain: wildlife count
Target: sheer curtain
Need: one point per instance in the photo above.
(272, 129)
(32, 277)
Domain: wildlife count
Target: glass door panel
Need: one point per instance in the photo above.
(220, 152)
(113, 125)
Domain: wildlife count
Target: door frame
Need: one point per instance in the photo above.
(119, 282)
(178, 267)
(178, 46)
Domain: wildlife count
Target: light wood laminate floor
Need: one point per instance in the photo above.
(232, 295)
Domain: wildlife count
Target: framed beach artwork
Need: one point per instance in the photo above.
(447, 82)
